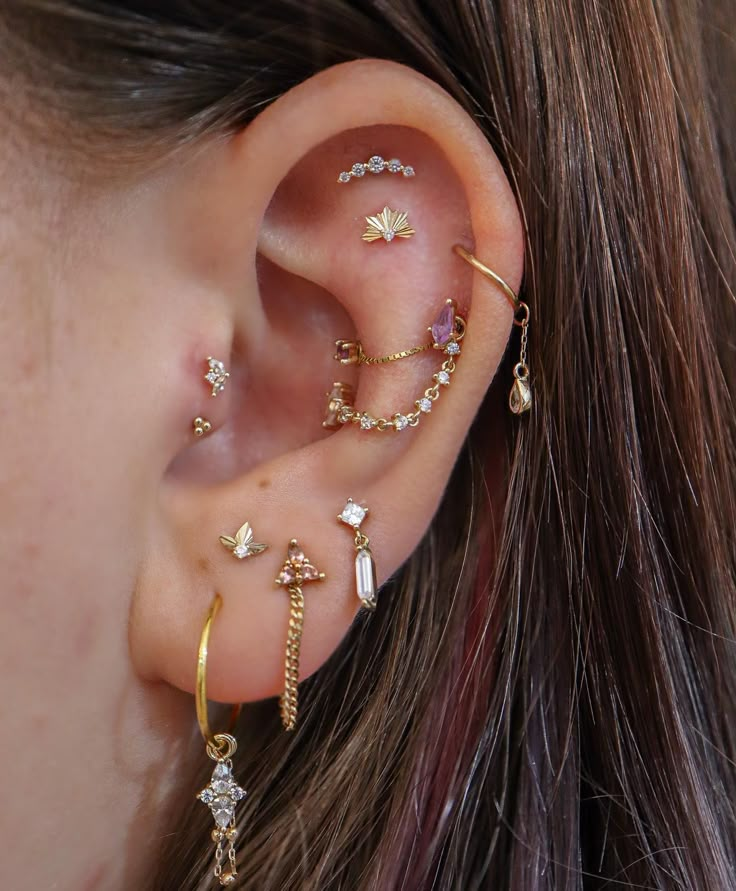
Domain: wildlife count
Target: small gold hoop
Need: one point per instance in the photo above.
(509, 292)
(220, 746)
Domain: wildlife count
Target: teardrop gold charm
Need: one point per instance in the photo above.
(520, 397)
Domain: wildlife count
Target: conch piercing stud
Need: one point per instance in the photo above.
(388, 224)
(447, 332)
(222, 794)
(201, 426)
(520, 397)
(242, 544)
(376, 164)
(296, 572)
(216, 375)
(366, 584)
(340, 394)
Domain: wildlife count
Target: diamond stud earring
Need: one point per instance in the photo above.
(216, 375)
(242, 544)
(376, 164)
(296, 572)
(365, 568)
(388, 224)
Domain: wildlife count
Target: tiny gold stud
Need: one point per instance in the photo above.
(201, 426)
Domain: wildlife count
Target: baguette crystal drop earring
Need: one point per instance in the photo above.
(366, 585)
(295, 573)
(520, 397)
(222, 794)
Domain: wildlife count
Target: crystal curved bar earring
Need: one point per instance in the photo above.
(376, 164)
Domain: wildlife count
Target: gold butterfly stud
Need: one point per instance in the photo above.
(242, 544)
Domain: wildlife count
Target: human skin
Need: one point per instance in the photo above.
(117, 283)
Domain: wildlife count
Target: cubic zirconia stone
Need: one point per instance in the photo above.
(353, 514)
(237, 793)
(221, 771)
(358, 169)
(376, 164)
(453, 348)
(223, 809)
(345, 414)
(408, 171)
(394, 165)
(425, 404)
(444, 325)
(365, 577)
(366, 422)
(221, 787)
(206, 795)
(443, 378)
(344, 177)
(240, 551)
(389, 235)
(401, 422)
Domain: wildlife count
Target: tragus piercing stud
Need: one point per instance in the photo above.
(520, 397)
(366, 584)
(296, 572)
(242, 544)
(201, 426)
(216, 375)
(388, 224)
(375, 164)
(222, 794)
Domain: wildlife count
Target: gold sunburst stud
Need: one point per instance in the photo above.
(388, 224)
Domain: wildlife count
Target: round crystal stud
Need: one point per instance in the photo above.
(389, 235)
(401, 422)
(425, 404)
(344, 177)
(344, 415)
(358, 169)
(366, 422)
(443, 378)
(394, 165)
(206, 795)
(452, 348)
(376, 164)
(240, 551)
(408, 171)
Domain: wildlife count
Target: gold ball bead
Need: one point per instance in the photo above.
(227, 878)
(217, 835)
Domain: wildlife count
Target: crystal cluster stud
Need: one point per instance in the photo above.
(366, 584)
(375, 164)
(388, 224)
(216, 375)
(242, 544)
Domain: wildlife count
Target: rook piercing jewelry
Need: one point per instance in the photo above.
(297, 570)
(520, 397)
(242, 544)
(201, 426)
(366, 584)
(388, 224)
(217, 375)
(222, 794)
(447, 332)
(340, 394)
(376, 164)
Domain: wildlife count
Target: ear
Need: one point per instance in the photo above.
(285, 238)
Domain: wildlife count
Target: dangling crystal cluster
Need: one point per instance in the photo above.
(222, 795)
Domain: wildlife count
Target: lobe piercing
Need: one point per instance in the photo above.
(376, 164)
(217, 375)
(201, 426)
(242, 544)
(388, 224)
(365, 568)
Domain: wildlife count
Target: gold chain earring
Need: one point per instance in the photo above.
(296, 572)
(520, 397)
(223, 793)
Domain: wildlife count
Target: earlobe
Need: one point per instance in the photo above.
(321, 281)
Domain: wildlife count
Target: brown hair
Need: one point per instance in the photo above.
(544, 698)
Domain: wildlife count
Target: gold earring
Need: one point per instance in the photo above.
(388, 224)
(340, 395)
(520, 397)
(201, 426)
(296, 572)
(365, 568)
(222, 794)
(375, 164)
(242, 544)
(217, 375)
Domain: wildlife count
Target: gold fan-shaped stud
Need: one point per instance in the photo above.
(388, 224)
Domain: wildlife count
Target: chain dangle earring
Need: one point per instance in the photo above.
(366, 585)
(223, 793)
(520, 397)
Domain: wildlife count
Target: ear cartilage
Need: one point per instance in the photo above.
(376, 164)
(296, 572)
(388, 224)
(241, 544)
(366, 585)
(201, 426)
(447, 331)
(216, 375)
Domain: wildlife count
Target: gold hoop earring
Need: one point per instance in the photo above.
(223, 793)
(520, 396)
